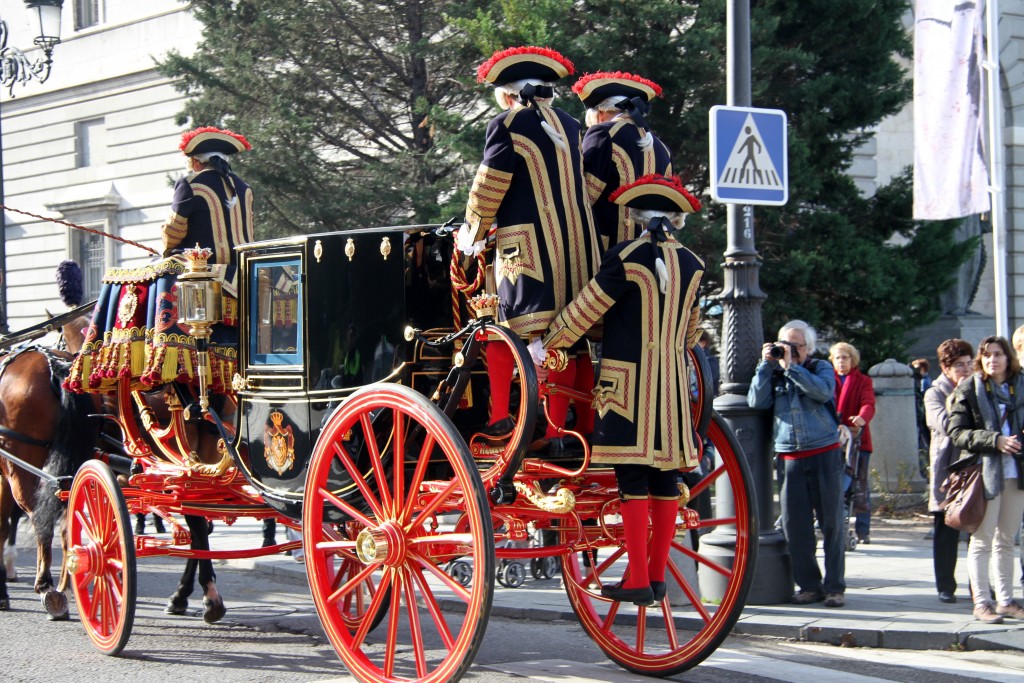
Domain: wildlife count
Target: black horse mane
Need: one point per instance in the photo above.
(72, 442)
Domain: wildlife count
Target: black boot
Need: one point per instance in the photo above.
(269, 531)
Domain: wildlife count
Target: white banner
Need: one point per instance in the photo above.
(950, 178)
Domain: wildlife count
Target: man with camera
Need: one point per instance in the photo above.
(800, 389)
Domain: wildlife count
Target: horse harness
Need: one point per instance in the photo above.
(59, 369)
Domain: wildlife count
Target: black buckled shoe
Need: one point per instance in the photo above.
(642, 596)
(500, 430)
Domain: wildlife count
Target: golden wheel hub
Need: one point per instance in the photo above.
(384, 544)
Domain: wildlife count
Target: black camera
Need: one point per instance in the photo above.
(778, 349)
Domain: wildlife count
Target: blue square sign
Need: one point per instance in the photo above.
(749, 156)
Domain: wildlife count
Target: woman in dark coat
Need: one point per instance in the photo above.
(986, 415)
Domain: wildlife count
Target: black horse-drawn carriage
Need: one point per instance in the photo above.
(357, 411)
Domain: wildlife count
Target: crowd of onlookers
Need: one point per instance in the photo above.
(973, 411)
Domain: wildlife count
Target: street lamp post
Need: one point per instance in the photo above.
(742, 334)
(15, 67)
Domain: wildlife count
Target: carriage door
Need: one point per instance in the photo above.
(276, 410)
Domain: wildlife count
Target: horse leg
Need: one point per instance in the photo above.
(213, 604)
(55, 602)
(178, 603)
(6, 507)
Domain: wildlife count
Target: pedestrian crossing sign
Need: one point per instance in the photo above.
(749, 156)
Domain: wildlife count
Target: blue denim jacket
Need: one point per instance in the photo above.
(802, 421)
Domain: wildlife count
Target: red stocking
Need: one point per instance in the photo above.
(584, 383)
(558, 403)
(499, 372)
(634, 524)
(663, 522)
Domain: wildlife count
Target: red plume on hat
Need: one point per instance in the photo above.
(209, 139)
(518, 63)
(658, 193)
(596, 87)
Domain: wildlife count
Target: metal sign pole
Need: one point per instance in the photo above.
(995, 164)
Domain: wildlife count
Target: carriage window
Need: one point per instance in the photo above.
(276, 304)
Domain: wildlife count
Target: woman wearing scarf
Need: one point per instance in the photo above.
(855, 403)
(986, 414)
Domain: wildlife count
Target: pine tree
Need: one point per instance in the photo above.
(353, 111)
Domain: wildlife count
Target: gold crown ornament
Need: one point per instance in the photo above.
(484, 305)
(197, 257)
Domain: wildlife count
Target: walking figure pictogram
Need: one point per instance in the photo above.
(748, 144)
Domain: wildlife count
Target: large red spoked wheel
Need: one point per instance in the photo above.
(706, 587)
(391, 462)
(101, 557)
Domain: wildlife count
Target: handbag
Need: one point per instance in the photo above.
(965, 498)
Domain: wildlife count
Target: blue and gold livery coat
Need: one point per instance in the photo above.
(531, 189)
(642, 397)
(206, 211)
(611, 159)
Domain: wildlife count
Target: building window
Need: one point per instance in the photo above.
(87, 13)
(90, 143)
(92, 249)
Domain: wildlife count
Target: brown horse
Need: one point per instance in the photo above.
(49, 429)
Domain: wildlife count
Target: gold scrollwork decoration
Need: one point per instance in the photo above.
(385, 247)
(318, 250)
(350, 248)
(684, 494)
(561, 503)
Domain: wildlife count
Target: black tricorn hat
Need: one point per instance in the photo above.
(209, 139)
(656, 193)
(593, 89)
(519, 63)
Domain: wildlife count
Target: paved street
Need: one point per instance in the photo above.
(271, 632)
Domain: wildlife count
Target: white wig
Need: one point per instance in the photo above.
(644, 216)
(512, 88)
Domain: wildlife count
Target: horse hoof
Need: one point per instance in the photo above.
(213, 610)
(5, 604)
(56, 605)
(176, 607)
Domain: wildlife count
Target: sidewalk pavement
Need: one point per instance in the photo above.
(891, 600)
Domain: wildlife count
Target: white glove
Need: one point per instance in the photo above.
(464, 241)
(538, 352)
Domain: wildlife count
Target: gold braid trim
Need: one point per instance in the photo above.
(561, 503)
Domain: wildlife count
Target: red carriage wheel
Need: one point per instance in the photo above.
(101, 557)
(706, 592)
(390, 462)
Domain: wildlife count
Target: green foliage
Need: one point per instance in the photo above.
(369, 116)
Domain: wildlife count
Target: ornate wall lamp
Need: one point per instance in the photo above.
(16, 67)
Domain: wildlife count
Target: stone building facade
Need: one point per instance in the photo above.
(95, 145)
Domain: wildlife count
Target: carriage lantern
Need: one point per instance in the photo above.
(199, 293)
(199, 301)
